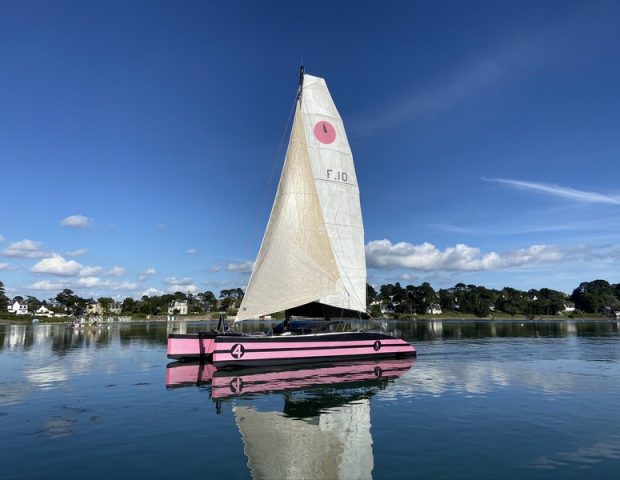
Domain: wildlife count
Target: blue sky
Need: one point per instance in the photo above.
(141, 142)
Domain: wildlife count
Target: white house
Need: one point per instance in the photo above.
(434, 309)
(94, 308)
(18, 308)
(179, 305)
(116, 308)
(43, 311)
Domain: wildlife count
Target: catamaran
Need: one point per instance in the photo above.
(311, 263)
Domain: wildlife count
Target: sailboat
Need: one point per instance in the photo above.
(311, 262)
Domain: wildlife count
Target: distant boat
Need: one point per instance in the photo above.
(311, 262)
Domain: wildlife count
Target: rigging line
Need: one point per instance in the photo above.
(274, 164)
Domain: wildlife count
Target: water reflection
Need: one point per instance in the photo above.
(61, 339)
(256, 381)
(336, 444)
(584, 456)
(501, 399)
(323, 430)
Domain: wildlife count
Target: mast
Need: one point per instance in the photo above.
(301, 83)
(300, 88)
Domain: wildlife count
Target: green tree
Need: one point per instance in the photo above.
(129, 305)
(593, 296)
(511, 301)
(4, 300)
(33, 303)
(72, 303)
(106, 303)
(447, 299)
(207, 296)
(371, 295)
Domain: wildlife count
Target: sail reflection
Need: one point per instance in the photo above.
(324, 428)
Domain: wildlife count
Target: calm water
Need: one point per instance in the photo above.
(482, 400)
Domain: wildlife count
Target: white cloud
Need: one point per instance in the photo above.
(191, 251)
(46, 285)
(57, 265)
(149, 272)
(1, 238)
(215, 284)
(191, 288)
(116, 271)
(180, 284)
(160, 226)
(124, 286)
(240, 267)
(557, 191)
(77, 253)
(90, 282)
(151, 292)
(90, 271)
(77, 221)
(382, 254)
(178, 281)
(25, 249)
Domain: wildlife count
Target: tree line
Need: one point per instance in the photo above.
(68, 302)
(595, 297)
(598, 296)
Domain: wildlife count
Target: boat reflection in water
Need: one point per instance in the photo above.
(324, 429)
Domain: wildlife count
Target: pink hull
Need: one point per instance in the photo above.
(245, 350)
(191, 346)
(252, 351)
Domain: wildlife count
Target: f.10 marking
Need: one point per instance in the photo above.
(337, 175)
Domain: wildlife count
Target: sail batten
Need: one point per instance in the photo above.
(313, 247)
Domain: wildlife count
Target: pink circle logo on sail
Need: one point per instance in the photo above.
(324, 132)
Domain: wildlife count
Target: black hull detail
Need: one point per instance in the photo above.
(188, 357)
(331, 337)
(302, 360)
(320, 310)
(204, 335)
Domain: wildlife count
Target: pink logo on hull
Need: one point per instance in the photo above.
(324, 132)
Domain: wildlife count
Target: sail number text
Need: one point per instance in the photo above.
(337, 175)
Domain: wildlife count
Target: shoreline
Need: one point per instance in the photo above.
(414, 318)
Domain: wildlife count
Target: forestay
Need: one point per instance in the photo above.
(313, 248)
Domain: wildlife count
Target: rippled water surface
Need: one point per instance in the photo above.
(482, 400)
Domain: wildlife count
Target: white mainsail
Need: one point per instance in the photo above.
(313, 248)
